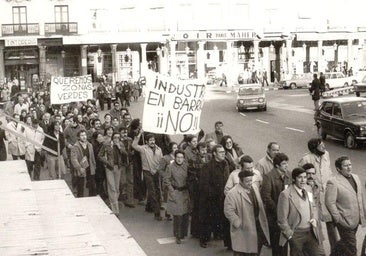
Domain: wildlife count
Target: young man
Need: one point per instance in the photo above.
(297, 217)
(151, 155)
(83, 161)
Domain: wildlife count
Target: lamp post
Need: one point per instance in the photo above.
(63, 55)
(99, 53)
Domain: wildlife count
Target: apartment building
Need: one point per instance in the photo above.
(182, 38)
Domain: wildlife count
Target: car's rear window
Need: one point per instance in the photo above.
(357, 108)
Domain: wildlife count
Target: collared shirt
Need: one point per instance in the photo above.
(300, 191)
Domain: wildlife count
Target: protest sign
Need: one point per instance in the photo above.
(71, 89)
(173, 106)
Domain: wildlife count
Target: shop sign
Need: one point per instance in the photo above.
(20, 42)
(215, 35)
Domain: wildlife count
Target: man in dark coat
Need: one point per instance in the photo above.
(211, 196)
(315, 91)
(273, 184)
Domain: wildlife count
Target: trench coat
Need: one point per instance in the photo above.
(16, 145)
(176, 182)
(323, 174)
(238, 209)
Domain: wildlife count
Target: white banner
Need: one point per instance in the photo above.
(71, 89)
(172, 106)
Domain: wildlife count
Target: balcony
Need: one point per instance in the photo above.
(23, 29)
(61, 28)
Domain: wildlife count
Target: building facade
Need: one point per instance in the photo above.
(123, 39)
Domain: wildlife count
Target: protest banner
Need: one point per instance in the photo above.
(172, 106)
(71, 89)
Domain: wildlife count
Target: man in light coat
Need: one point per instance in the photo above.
(33, 157)
(16, 145)
(298, 218)
(244, 209)
(344, 198)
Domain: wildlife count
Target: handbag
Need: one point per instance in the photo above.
(266, 251)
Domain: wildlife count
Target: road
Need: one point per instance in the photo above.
(288, 120)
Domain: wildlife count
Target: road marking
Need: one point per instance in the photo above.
(242, 114)
(291, 107)
(294, 129)
(298, 95)
(261, 121)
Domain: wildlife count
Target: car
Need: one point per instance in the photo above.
(360, 87)
(251, 96)
(343, 118)
(297, 81)
(338, 80)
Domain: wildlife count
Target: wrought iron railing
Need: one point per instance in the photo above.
(61, 28)
(22, 29)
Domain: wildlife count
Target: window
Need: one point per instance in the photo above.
(61, 13)
(327, 108)
(337, 112)
(19, 15)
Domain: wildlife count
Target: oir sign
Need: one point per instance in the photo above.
(71, 89)
(173, 106)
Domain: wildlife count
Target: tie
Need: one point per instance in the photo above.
(304, 194)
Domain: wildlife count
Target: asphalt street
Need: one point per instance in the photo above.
(288, 120)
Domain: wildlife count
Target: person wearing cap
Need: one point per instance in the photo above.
(243, 207)
(297, 217)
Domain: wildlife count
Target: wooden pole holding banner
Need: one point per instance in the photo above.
(59, 159)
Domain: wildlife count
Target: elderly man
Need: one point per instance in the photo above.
(297, 217)
(344, 198)
(244, 208)
(265, 164)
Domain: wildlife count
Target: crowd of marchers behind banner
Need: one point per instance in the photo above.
(206, 181)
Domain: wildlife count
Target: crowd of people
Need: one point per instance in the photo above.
(205, 182)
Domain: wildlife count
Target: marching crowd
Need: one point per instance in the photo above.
(205, 182)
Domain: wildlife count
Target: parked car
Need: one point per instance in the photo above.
(337, 80)
(360, 87)
(297, 81)
(343, 118)
(251, 96)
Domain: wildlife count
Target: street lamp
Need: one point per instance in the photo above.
(215, 47)
(187, 49)
(158, 51)
(271, 47)
(99, 53)
(63, 53)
